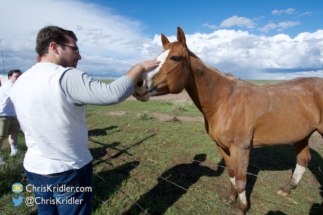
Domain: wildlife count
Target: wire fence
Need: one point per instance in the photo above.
(221, 206)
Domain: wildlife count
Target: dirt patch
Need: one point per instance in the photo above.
(164, 117)
(116, 113)
(315, 139)
(181, 97)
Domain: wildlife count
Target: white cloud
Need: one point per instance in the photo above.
(287, 11)
(288, 75)
(99, 32)
(250, 56)
(277, 12)
(288, 24)
(268, 27)
(290, 11)
(309, 13)
(210, 26)
(110, 44)
(279, 27)
(238, 21)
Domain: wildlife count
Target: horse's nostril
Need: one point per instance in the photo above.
(140, 83)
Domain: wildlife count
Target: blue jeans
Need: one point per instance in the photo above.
(62, 197)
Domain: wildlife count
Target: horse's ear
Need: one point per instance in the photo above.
(181, 36)
(164, 40)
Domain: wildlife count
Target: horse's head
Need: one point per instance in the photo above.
(172, 73)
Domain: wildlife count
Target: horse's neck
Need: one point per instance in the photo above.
(207, 86)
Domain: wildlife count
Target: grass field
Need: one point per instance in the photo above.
(145, 165)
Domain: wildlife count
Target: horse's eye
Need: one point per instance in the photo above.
(175, 58)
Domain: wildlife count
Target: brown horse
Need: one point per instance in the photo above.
(238, 114)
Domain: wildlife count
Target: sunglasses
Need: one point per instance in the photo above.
(74, 48)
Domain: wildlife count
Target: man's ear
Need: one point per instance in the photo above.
(53, 47)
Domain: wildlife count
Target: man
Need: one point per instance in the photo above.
(9, 125)
(50, 100)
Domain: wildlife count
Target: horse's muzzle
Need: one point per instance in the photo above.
(142, 93)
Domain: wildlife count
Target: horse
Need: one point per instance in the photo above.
(238, 114)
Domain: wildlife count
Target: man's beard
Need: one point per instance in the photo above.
(66, 63)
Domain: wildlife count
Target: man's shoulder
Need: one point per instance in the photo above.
(47, 66)
(7, 84)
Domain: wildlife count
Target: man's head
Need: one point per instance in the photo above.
(58, 46)
(13, 75)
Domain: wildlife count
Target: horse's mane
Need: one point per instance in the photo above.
(230, 76)
(199, 61)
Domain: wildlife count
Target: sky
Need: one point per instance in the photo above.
(273, 40)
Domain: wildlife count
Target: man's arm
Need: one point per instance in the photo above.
(81, 89)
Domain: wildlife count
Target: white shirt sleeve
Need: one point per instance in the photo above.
(81, 89)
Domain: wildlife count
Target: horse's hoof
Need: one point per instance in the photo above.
(230, 202)
(240, 212)
(282, 193)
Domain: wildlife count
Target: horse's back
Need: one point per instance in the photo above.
(299, 91)
(292, 111)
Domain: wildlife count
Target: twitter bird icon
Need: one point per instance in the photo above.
(18, 201)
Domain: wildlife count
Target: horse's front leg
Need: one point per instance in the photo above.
(237, 160)
(303, 157)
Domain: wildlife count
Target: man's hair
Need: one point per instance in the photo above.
(50, 34)
(10, 73)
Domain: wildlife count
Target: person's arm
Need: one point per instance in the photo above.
(81, 89)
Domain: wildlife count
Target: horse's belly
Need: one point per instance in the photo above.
(281, 135)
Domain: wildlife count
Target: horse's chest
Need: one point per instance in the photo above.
(222, 138)
(225, 134)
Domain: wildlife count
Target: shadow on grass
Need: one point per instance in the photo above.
(166, 193)
(100, 154)
(280, 158)
(106, 183)
(10, 173)
(275, 213)
(101, 131)
(315, 166)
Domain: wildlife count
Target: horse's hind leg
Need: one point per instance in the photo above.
(303, 157)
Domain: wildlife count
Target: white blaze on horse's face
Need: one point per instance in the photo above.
(148, 76)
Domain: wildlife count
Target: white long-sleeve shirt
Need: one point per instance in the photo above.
(50, 103)
(6, 106)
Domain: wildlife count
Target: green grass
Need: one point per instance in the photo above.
(148, 150)
(11, 173)
(145, 116)
(264, 82)
(165, 107)
(141, 159)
